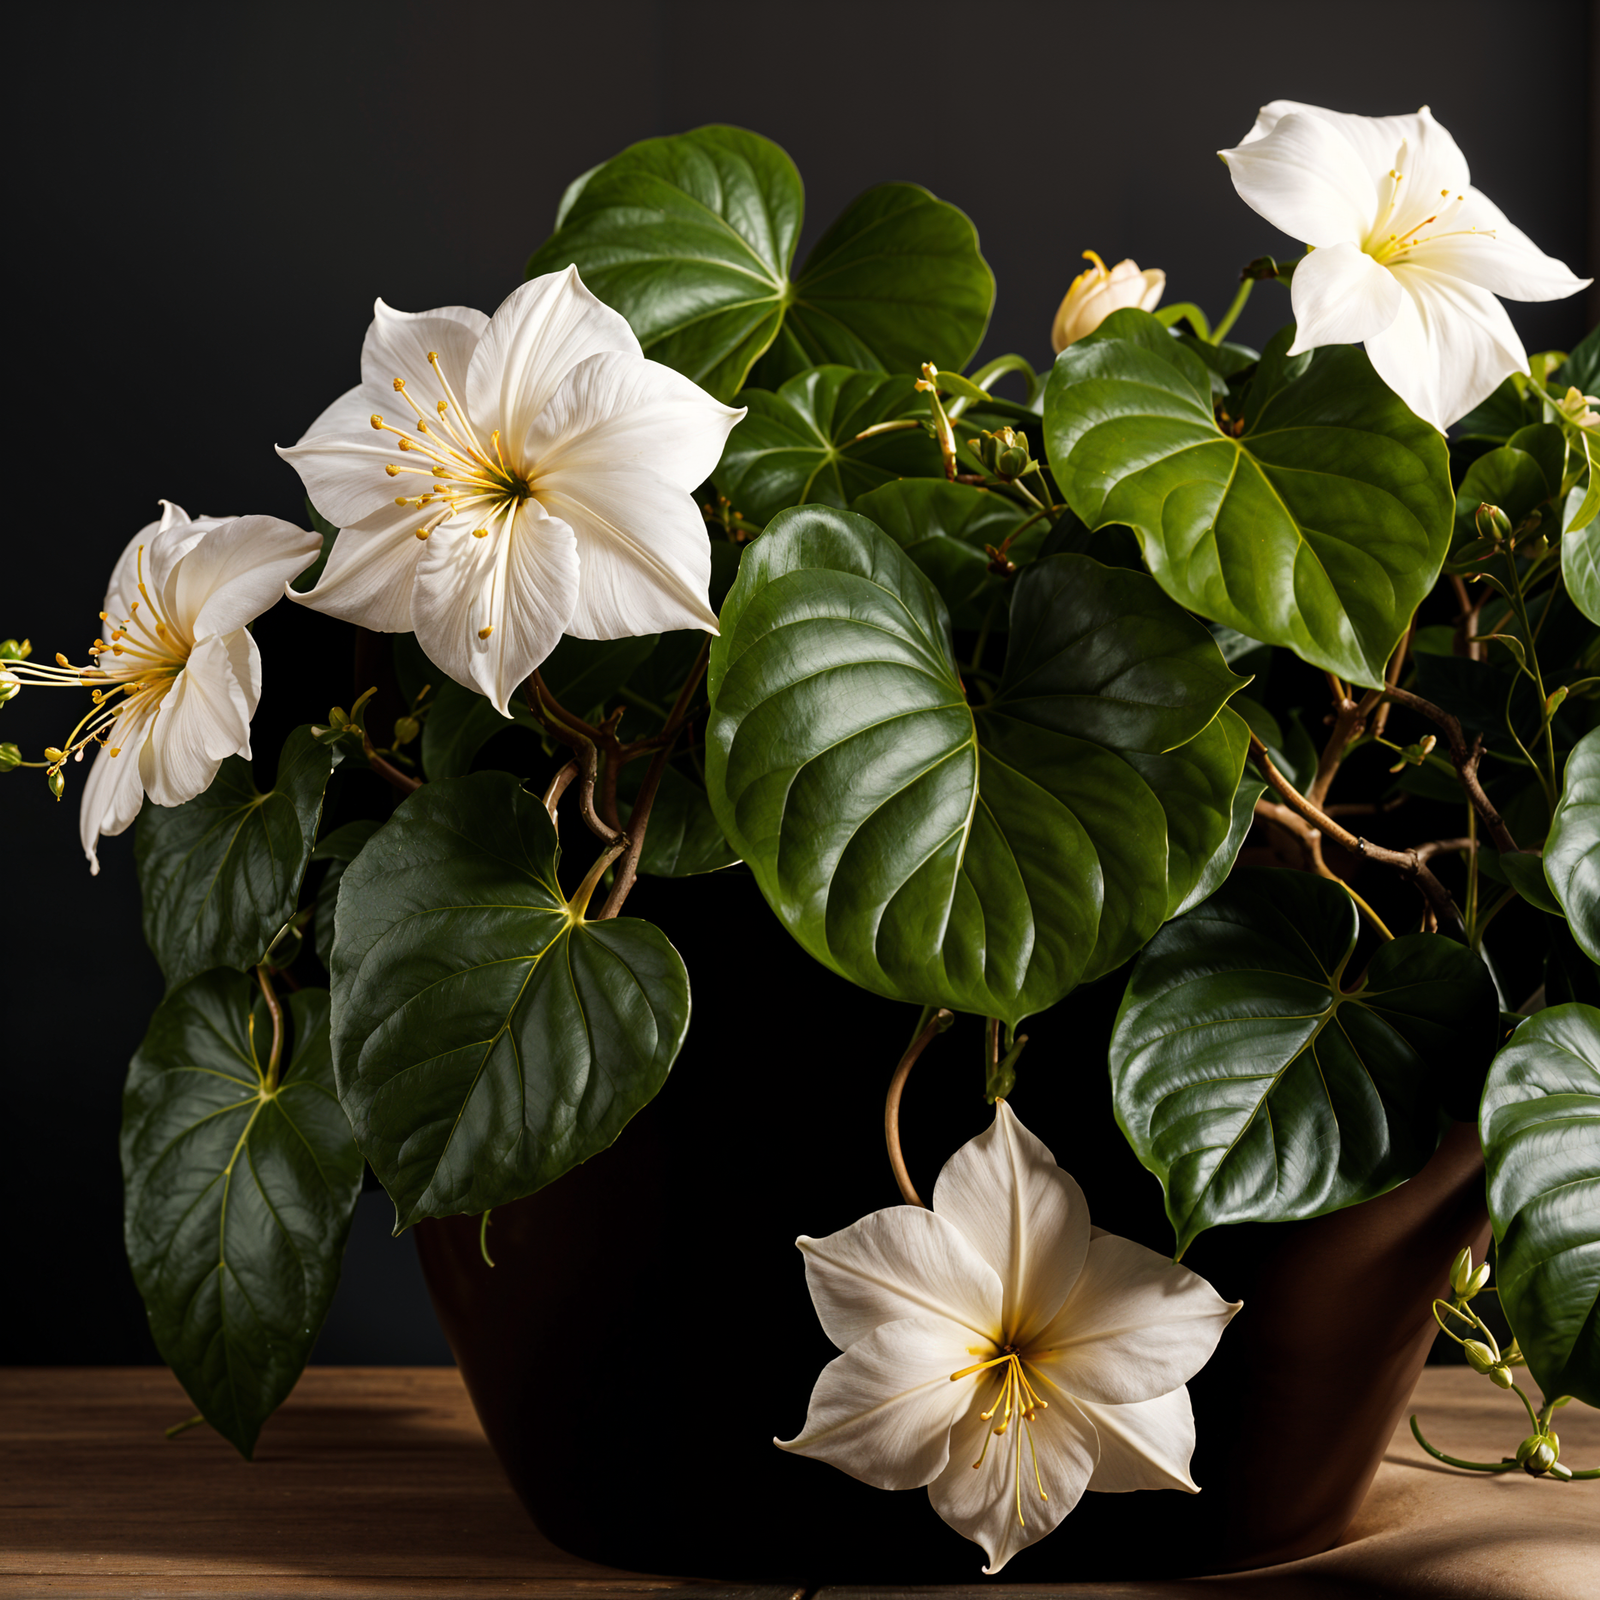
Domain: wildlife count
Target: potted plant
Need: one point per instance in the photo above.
(1206, 711)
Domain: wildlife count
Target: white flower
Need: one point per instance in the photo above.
(177, 676)
(1001, 1351)
(1094, 294)
(1406, 255)
(547, 470)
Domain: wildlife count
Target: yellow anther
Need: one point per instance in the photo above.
(102, 616)
(399, 385)
(115, 750)
(377, 421)
(61, 660)
(402, 501)
(394, 472)
(406, 444)
(422, 533)
(52, 754)
(433, 358)
(480, 533)
(444, 406)
(483, 633)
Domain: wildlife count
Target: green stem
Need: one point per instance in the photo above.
(483, 1239)
(1456, 1461)
(1548, 777)
(1527, 1405)
(197, 1419)
(1231, 315)
(986, 375)
(270, 1077)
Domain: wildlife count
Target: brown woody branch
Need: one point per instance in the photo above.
(401, 782)
(1405, 862)
(1464, 759)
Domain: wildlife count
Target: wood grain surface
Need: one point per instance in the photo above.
(377, 1482)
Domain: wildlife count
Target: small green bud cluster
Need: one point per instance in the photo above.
(1539, 1454)
(10, 757)
(1465, 1279)
(1004, 454)
(1413, 756)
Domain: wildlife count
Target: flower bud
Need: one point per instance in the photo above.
(406, 729)
(1538, 1453)
(1492, 522)
(57, 783)
(1500, 1376)
(1461, 1268)
(1095, 294)
(1475, 1280)
(1480, 1357)
(10, 650)
(10, 757)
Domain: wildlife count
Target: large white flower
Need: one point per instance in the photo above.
(1001, 1351)
(1407, 256)
(177, 676)
(499, 481)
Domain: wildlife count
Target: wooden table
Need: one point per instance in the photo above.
(376, 1482)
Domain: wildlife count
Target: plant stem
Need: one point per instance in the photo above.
(483, 1239)
(194, 1422)
(1231, 315)
(1464, 760)
(936, 1024)
(270, 1082)
(401, 782)
(1456, 1461)
(558, 787)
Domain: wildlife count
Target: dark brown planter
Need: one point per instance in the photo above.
(646, 1331)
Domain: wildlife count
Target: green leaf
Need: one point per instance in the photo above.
(1257, 1088)
(1524, 871)
(312, 576)
(585, 673)
(1322, 527)
(1540, 1126)
(459, 724)
(1508, 478)
(1214, 873)
(347, 842)
(986, 860)
(689, 237)
(1498, 417)
(239, 1195)
(800, 445)
(682, 838)
(1581, 370)
(487, 1037)
(1580, 550)
(1572, 850)
(220, 875)
(944, 527)
(896, 281)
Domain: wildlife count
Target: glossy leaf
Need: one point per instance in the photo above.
(802, 443)
(220, 875)
(239, 1195)
(682, 838)
(986, 860)
(1321, 527)
(1580, 550)
(460, 722)
(1508, 478)
(1540, 1127)
(944, 527)
(896, 281)
(691, 238)
(1258, 1087)
(487, 1037)
(1572, 850)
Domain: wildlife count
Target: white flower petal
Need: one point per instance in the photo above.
(882, 1411)
(112, 793)
(997, 1503)
(1341, 296)
(1307, 180)
(372, 572)
(614, 409)
(645, 554)
(1024, 1216)
(1144, 1446)
(351, 414)
(344, 473)
(1486, 249)
(398, 344)
(903, 1262)
(520, 581)
(1377, 140)
(1432, 169)
(123, 588)
(234, 572)
(1135, 1326)
(539, 333)
(203, 719)
(1449, 347)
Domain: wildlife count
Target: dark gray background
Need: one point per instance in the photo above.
(206, 199)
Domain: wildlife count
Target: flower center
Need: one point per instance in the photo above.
(464, 473)
(134, 667)
(1016, 1398)
(1386, 243)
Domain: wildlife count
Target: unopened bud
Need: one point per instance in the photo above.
(338, 717)
(1095, 294)
(52, 754)
(1475, 1281)
(1480, 1357)
(406, 729)
(10, 650)
(10, 757)
(1461, 1268)
(57, 783)
(1538, 1453)
(1554, 701)
(1500, 1376)
(1493, 523)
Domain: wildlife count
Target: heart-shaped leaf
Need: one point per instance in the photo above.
(690, 237)
(1320, 526)
(945, 527)
(1257, 1088)
(486, 1036)
(682, 838)
(804, 443)
(239, 1193)
(896, 281)
(1540, 1126)
(1511, 479)
(220, 875)
(984, 859)
(1572, 851)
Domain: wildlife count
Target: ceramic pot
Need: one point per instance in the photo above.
(646, 1331)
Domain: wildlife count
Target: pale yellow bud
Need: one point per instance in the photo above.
(1095, 294)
